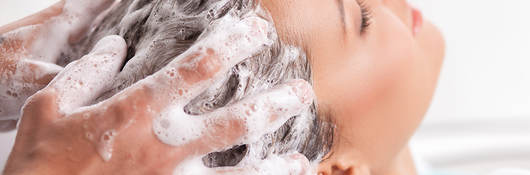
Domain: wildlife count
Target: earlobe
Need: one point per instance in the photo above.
(337, 169)
(342, 167)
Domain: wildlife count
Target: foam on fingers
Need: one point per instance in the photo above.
(231, 40)
(37, 72)
(285, 164)
(84, 80)
(266, 112)
(243, 122)
(58, 32)
(92, 7)
(81, 13)
(28, 77)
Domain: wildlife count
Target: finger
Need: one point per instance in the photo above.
(36, 18)
(230, 42)
(36, 72)
(57, 32)
(243, 122)
(23, 80)
(291, 164)
(84, 7)
(20, 77)
(79, 14)
(46, 33)
(83, 80)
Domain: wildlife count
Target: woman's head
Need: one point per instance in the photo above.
(375, 67)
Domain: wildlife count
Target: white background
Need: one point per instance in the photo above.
(480, 116)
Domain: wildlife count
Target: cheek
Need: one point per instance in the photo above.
(388, 88)
(390, 58)
(401, 75)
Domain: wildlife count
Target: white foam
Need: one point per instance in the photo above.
(174, 127)
(192, 166)
(231, 37)
(105, 146)
(48, 40)
(16, 86)
(84, 80)
(284, 164)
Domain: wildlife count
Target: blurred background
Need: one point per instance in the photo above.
(479, 120)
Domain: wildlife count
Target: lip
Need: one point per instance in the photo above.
(417, 20)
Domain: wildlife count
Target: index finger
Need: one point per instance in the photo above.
(231, 40)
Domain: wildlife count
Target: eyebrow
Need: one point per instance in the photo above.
(340, 5)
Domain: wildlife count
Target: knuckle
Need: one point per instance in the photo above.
(132, 104)
(42, 104)
(42, 98)
(119, 114)
(200, 66)
(230, 129)
(121, 109)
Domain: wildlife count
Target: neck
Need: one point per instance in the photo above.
(403, 164)
(351, 162)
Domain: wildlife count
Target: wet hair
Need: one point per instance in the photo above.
(156, 31)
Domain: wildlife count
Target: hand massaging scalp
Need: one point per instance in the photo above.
(158, 31)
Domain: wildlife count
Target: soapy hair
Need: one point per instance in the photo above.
(156, 31)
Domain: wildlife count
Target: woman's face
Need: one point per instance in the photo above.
(378, 80)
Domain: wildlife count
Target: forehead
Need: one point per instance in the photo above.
(306, 22)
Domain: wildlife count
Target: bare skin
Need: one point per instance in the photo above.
(59, 136)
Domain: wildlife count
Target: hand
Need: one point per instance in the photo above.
(61, 133)
(29, 50)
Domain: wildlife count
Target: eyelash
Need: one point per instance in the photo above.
(366, 16)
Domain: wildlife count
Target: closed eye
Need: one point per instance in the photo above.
(366, 16)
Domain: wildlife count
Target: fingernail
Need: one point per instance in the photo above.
(112, 44)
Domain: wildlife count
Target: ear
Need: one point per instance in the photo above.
(342, 167)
